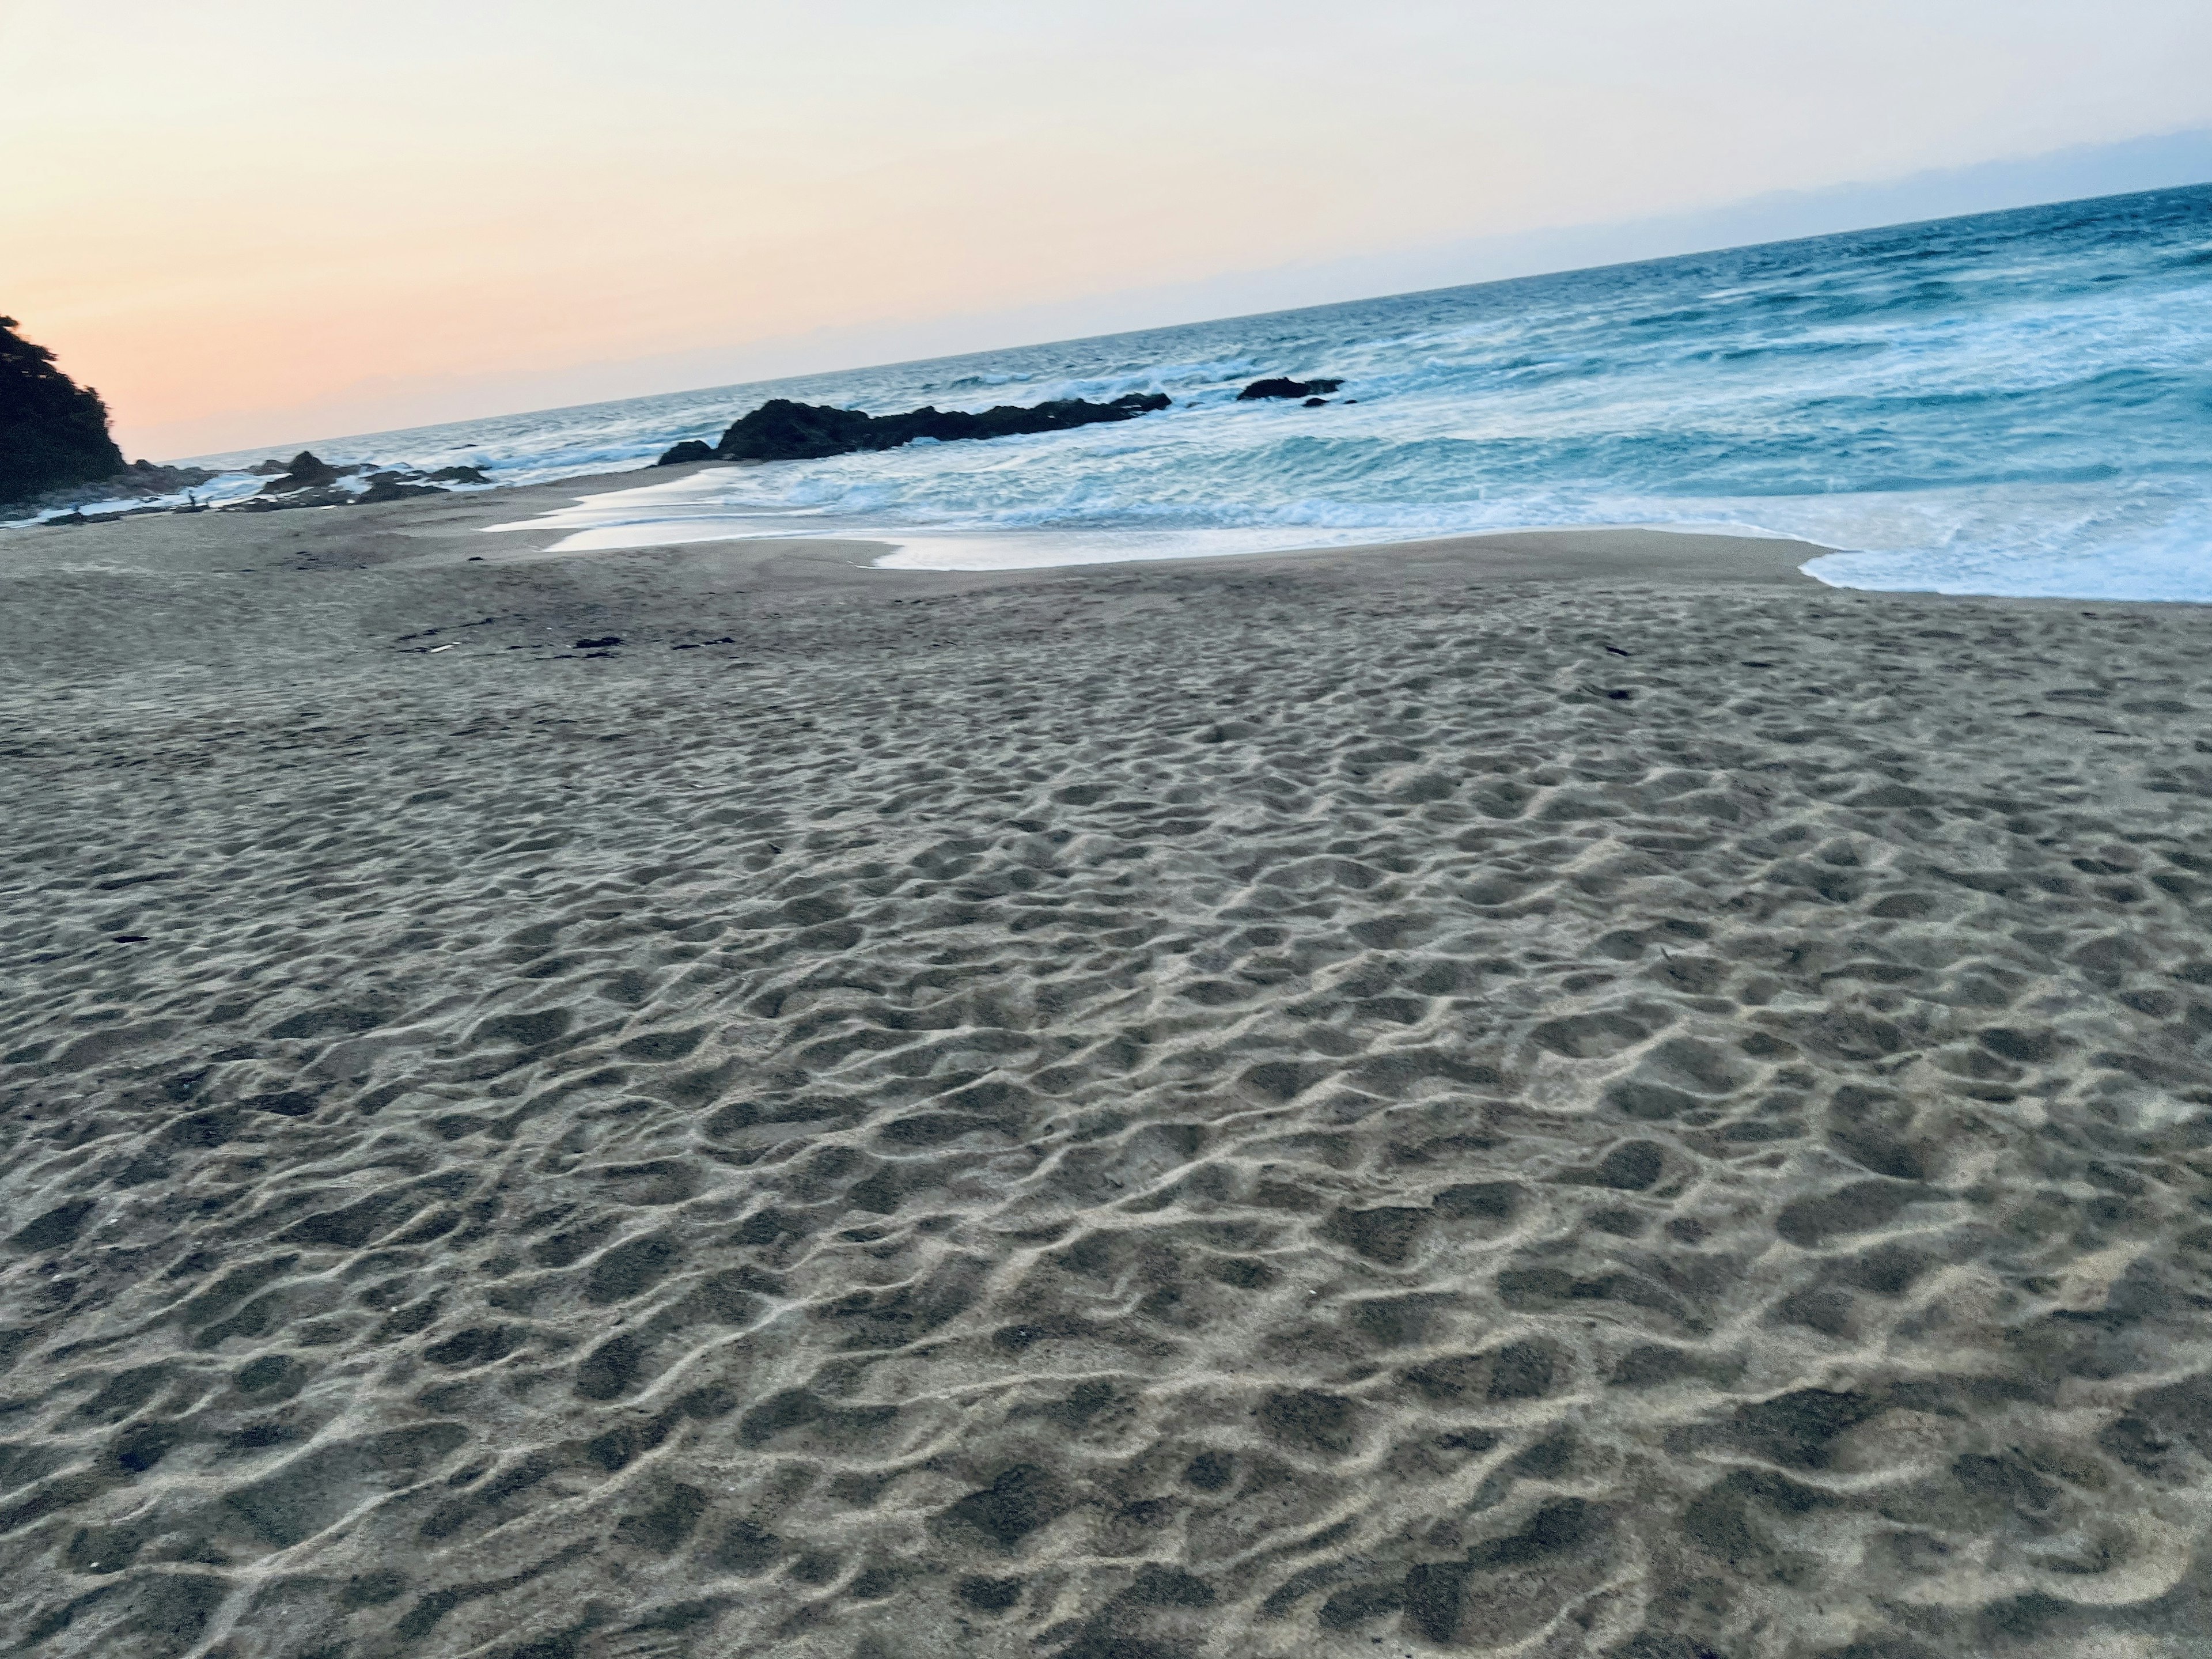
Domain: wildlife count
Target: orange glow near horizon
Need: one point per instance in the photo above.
(248, 223)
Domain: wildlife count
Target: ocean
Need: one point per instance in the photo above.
(2014, 403)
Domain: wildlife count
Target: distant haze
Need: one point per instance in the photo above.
(248, 222)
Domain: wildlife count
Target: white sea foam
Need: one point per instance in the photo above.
(216, 491)
(2015, 404)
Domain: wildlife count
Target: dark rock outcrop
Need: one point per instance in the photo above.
(780, 430)
(689, 450)
(303, 471)
(1282, 388)
(142, 481)
(149, 478)
(53, 432)
(386, 488)
(78, 515)
(307, 480)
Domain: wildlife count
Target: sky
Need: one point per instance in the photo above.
(246, 221)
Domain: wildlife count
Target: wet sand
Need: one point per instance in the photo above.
(1568, 1094)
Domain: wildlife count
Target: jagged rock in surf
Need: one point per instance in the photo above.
(305, 471)
(689, 450)
(307, 480)
(1283, 388)
(782, 430)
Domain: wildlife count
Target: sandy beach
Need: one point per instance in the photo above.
(1567, 1094)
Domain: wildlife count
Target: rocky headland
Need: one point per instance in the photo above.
(53, 432)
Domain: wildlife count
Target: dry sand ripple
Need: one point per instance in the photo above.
(1250, 1109)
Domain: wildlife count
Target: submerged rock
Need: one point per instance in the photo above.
(465, 475)
(53, 432)
(1282, 388)
(780, 430)
(689, 450)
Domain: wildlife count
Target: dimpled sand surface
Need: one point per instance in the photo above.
(1268, 1108)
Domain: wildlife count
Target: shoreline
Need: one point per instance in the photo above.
(932, 550)
(435, 532)
(1591, 552)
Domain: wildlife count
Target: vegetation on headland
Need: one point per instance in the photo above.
(53, 432)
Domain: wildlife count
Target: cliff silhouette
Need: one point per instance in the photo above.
(53, 432)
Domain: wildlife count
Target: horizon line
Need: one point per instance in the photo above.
(1747, 204)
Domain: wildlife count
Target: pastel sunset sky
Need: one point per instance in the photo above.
(248, 222)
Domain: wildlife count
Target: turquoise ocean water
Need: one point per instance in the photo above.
(2012, 402)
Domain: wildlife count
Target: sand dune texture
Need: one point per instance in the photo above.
(1259, 1108)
